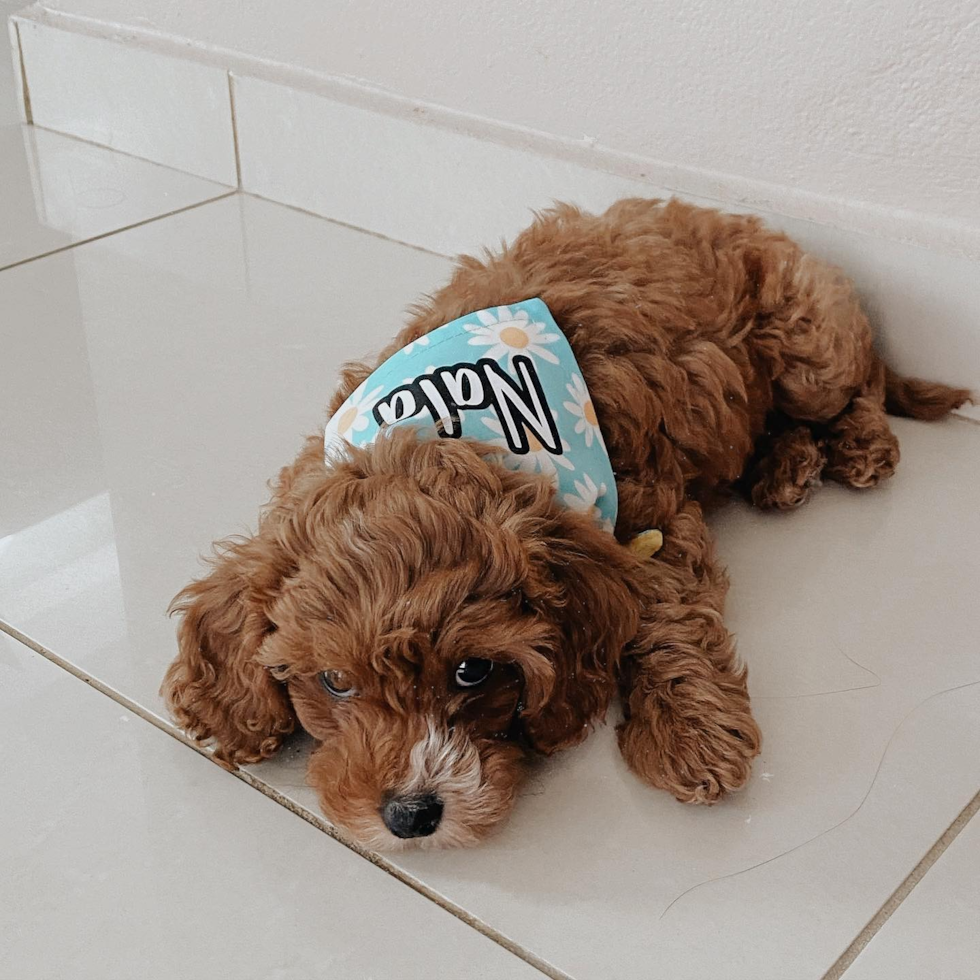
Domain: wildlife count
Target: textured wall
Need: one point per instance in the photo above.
(867, 100)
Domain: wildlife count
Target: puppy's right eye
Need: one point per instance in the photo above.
(472, 672)
(337, 683)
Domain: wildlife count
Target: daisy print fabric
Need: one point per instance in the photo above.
(505, 376)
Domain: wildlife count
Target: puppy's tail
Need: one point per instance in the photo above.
(918, 399)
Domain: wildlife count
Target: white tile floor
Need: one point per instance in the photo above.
(153, 379)
(125, 863)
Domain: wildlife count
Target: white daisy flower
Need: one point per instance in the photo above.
(584, 500)
(422, 341)
(536, 460)
(585, 496)
(508, 334)
(353, 416)
(582, 408)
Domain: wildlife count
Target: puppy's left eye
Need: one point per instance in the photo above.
(337, 683)
(473, 672)
(518, 594)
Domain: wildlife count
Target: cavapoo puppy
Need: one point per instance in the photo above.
(444, 587)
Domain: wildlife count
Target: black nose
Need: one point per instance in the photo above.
(412, 816)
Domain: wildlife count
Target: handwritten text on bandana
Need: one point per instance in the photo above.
(505, 376)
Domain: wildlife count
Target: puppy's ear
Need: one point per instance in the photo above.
(588, 592)
(215, 689)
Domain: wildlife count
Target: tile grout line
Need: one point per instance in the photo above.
(116, 231)
(346, 224)
(897, 897)
(234, 129)
(126, 153)
(161, 724)
(25, 91)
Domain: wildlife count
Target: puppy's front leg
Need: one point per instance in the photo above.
(688, 727)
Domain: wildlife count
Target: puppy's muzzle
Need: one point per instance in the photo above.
(412, 816)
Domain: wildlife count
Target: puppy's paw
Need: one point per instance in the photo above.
(785, 478)
(862, 459)
(697, 758)
(247, 756)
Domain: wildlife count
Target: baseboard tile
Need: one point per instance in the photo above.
(168, 110)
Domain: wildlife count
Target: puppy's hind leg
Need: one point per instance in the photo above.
(861, 448)
(825, 372)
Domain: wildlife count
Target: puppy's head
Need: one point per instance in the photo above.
(429, 616)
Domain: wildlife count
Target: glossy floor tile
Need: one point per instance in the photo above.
(127, 853)
(220, 329)
(936, 931)
(57, 190)
(159, 377)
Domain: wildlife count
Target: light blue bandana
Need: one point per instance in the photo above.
(505, 376)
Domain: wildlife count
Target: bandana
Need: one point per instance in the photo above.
(505, 376)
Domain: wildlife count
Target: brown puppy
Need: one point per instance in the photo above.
(381, 588)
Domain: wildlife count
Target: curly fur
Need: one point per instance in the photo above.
(717, 354)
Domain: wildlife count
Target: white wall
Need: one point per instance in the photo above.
(869, 101)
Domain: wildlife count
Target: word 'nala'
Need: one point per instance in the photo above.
(520, 405)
